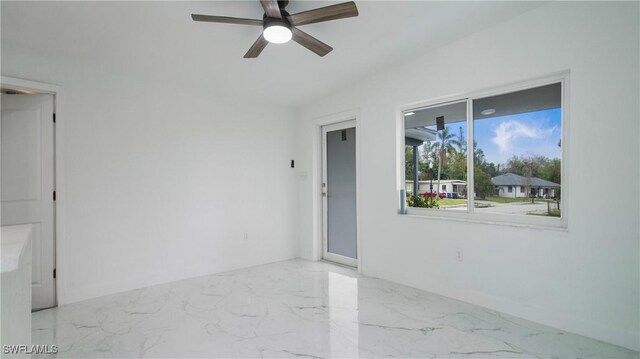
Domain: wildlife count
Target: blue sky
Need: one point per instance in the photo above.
(532, 133)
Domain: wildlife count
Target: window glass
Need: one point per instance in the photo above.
(436, 157)
(517, 143)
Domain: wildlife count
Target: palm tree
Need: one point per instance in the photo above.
(462, 142)
(445, 143)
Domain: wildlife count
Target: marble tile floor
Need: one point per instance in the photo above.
(298, 309)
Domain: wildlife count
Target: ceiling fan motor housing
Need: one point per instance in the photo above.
(283, 3)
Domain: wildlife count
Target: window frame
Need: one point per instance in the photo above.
(470, 215)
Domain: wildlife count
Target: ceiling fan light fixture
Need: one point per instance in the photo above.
(277, 31)
(279, 27)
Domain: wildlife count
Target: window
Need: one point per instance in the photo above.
(517, 142)
(435, 152)
(510, 139)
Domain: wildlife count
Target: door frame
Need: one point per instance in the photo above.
(58, 175)
(352, 117)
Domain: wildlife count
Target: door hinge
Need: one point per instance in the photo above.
(54, 195)
(54, 118)
(54, 272)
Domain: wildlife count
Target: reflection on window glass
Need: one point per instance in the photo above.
(517, 152)
(436, 157)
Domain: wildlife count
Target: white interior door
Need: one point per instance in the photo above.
(339, 193)
(27, 185)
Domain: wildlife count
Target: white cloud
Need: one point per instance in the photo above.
(510, 130)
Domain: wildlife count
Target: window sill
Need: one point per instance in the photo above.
(551, 224)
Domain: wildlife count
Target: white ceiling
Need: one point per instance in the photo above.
(158, 40)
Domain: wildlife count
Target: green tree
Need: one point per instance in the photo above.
(483, 185)
(408, 162)
(457, 168)
(425, 172)
(551, 170)
(426, 157)
(526, 165)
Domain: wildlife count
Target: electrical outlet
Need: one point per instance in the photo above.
(459, 254)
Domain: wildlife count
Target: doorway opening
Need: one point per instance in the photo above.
(28, 186)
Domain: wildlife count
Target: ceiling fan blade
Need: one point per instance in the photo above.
(310, 42)
(256, 48)
(327, 13)
(271, 8)
(226, 19)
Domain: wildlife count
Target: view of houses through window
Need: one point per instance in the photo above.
(516, 154)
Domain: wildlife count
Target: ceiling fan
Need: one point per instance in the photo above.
(280, 27)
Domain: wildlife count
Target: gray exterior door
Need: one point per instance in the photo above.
(340, 182)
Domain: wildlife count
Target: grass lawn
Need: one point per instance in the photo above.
(505, 200)
(552, 213)
(450, 201)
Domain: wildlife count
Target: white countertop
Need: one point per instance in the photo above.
(13, 240)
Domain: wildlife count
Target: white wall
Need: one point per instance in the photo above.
(585, 279)
(160, 181)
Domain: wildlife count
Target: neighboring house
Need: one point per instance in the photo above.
(513, 185)
(452, 188)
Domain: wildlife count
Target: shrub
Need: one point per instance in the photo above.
(423, 201)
